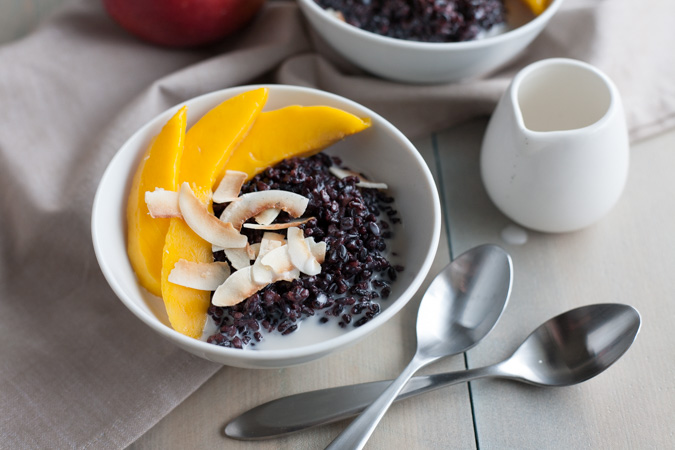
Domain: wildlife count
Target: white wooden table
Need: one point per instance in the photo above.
(628, 257)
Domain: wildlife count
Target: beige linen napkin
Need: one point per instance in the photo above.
(76, 368)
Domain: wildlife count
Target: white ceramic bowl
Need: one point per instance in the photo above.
(382, 152)
(423, 62)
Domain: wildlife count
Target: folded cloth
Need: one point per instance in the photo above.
(76, 368)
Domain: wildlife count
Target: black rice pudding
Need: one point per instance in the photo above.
(421, 20)
(356, 223)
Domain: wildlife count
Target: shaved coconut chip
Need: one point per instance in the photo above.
(278, 260)
(291, 275)
(205, 224)
(162, 204)
(372, 185)
(250, 252)
(337, 14)
(273, 267)
(274, 236)
(277, 226)
(254, 249)
(267, 217)
(238, 257)
(237, 288)
(318, 249)
(363, 182)
(252, 204)
(267, 245)
(229, 187)
(261, 274)
(202, 276)
(300, 254)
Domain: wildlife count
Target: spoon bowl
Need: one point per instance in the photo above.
(575, 346)
(464, 302)
(566, 350)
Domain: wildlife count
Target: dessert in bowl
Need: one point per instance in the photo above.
(379, 152)
(415, 61)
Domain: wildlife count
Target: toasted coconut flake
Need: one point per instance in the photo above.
(300, 254)
(267, 245)
(239, 257)
(252, 254)
(205, 224)
(229, 187)
(277, 226)
(274, 266)
(278, 260)
(291, 275)
(202, 276)
(267, 217)
(162, 204)
(274, 236)
(261, 274)
(363, 182)
(255, 250)
(318, 249)
(372, 185)
(237, 288)
(252, 204)
(338, 14)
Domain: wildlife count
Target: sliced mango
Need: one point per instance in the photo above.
(158, 169)
(537, 6)
(208, 146)
(186, 307)
(292, 131)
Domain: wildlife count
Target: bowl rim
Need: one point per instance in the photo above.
(403, 44)
(202, 347)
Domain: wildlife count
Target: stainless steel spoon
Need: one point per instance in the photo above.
(460, 307)
(568, 349)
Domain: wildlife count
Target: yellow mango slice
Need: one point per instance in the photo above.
(292, 131)
(186, 307)
(537, 6)
(158, 169)
(208, 146)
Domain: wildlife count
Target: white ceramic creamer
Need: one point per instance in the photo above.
(555, 153)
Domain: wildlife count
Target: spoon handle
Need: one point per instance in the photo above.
(298, 412)
(358, 432)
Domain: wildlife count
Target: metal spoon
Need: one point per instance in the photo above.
(568, 349)
(460, 307)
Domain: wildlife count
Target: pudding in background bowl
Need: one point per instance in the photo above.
(430, 62)
(381, 152)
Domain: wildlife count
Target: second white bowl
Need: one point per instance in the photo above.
(425, 62)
